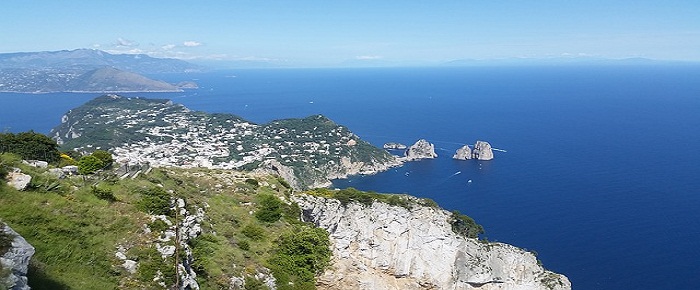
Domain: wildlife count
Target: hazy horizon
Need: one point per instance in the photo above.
(348, 33)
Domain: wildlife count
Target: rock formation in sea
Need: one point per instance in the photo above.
(482, 151)
(463, 153)
(394, 146)
(15, 254)
(422, 149)
(391, 247)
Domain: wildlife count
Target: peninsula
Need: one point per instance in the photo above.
(307, 152)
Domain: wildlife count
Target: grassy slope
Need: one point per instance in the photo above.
(76, 234)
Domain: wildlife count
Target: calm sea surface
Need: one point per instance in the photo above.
(602, 171)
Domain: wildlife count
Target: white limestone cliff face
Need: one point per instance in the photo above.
(390, 247)
(463, 153)
(482, 151)
(420, 150)
(16, 259)
(326, 172)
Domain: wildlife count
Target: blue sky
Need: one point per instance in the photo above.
(317, 33)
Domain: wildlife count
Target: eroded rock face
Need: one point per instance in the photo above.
(482, 151)
(463, 153)
(390, 247)
(420, 150)
(16, 259)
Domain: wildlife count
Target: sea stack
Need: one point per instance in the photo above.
(421, 150)
(482, 151)
(463, 153)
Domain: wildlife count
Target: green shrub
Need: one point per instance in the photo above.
(151, 262)
(253, 284)
(301, 254)
(103, 156)
(155, 200)
(103, 193)
(203, 248)
(269, 208)
(89, 164)
(30, 145)
(253, 232)
(244, 245)
(158, 226)
(465, 225)
(252, 182)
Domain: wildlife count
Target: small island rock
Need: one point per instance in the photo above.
(463, 153)
(394, 146)
(420, 150)
(482, 151)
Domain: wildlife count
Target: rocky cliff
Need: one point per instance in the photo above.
(15, 253)
(391, 247)
(422, 149)
(463, 153)
(482, 151)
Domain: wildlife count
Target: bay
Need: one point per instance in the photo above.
(600, 176)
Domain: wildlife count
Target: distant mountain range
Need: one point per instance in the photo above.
(87, 70)
(583, 60)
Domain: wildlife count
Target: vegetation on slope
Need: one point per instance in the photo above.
(78, 226)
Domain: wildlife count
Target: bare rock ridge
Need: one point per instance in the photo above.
(482, 151)
(422, 149)
(391, 247)
(15, 254)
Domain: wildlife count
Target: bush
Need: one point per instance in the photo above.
(155, 201)
(203, 248)
(465, 225)
(30, 145)
(244, 245)
(158, 226)
(103, 193)
(252, 182)
(103, 156)
(253, 284)
(89, 164)
(269, 208)
(253, 232)
(301, 254)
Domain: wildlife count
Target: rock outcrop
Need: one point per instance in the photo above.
(15, 254)
(463, 153)
(420, 150)
(18, 180)
(394, 146)
(482, 151)
(390, 247)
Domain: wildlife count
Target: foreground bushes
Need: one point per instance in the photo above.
(301, 254)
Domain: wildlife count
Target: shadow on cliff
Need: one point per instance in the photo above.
(38, 280)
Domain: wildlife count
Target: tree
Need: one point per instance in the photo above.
(465, 225)
(30, 145)
(89, 164)
(269, 208)
(104, 156)
(301, 254)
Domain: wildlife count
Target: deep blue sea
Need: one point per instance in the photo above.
(602, 171)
